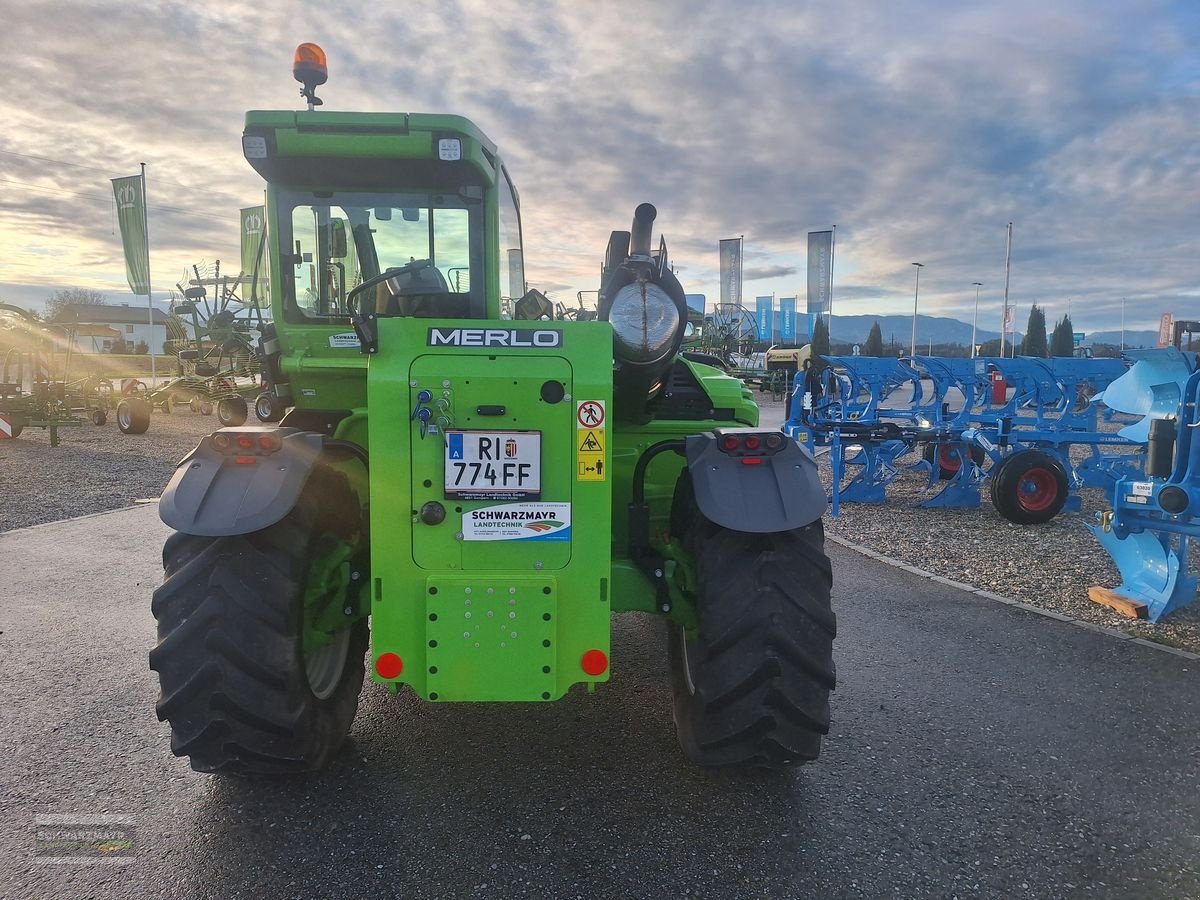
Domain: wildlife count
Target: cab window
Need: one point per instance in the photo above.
(337, 241)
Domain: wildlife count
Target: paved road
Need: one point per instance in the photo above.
(978, 751)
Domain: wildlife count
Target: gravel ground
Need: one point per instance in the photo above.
(95, 469)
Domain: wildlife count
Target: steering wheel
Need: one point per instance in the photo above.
(376, 280)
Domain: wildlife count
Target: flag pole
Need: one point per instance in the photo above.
(1007, 263)
(832, 248)
(741, 264)
(149, 290)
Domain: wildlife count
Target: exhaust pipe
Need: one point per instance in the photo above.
(639, 234)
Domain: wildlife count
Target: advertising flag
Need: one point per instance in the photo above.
(254, 252)
(1165, 338)
(820, 271)
(731, 272)
(1009, 315)
(787, 320)
(131, 216)
(763, 315)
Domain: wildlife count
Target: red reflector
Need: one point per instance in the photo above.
(730, 442)
(753, 442)
(594, 662)
(389, 665)
(267, 442)
(244, 441)
(752, 461)
(245, 460)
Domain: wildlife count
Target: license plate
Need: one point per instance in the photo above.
(494, 465)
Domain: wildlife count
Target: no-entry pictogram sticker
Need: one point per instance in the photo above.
(590, 414)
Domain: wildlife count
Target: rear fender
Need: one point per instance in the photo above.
(217, 494)
(780, 493)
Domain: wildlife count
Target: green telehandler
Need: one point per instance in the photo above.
(482, 483)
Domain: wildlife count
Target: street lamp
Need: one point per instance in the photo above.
(916, 293)
(975, 321)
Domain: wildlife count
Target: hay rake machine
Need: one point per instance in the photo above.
(217, 360)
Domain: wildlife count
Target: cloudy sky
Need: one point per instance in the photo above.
(919, 129)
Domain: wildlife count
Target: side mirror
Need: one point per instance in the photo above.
(337, 239)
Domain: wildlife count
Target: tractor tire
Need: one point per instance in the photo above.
(206, 408)
(133, 415)
(949, 458)
(267, 408)
(241, 696)
(232, 411)
(1029, 488)
(751, 689)
(99, 416)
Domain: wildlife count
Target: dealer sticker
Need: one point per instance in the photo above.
(346, 340)
(518, 522)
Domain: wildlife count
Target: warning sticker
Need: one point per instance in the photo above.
(518, 522)
(591, 466)
(6, 428)
(591, 441)
(590, 413)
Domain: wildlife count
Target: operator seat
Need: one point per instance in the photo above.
(423, 293)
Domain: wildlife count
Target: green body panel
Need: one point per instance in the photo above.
(491, 617)
(327, 134)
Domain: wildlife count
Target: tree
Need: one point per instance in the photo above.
(820, 340)
(141, 348)
(1035, 334)
(874, 345)
(1062, 342)
(60, 300)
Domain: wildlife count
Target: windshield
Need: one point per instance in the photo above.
(336, 241)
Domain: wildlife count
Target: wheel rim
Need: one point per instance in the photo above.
(1037, 490)
(323, 666)
(950, 458)
(263, 410)
(325, 642)
(123, 418)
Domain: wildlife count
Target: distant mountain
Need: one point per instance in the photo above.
(939, 329)
(1133, 339)
(942, 330)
